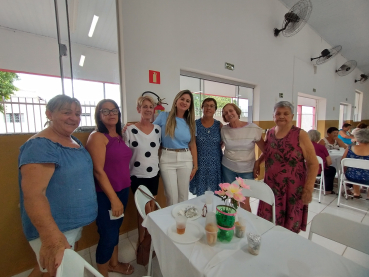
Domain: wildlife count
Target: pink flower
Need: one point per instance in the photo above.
(220, 192)
(224, 186)
(239, 197)
(232, 189)
(242, 183)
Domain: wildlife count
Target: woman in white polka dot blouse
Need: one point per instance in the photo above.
(144, 140)
(178, 161)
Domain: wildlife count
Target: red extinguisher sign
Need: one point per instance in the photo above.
(154, 77)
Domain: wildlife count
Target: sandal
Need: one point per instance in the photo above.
(357, 196)
(119, 268)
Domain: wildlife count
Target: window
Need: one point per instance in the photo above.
(358, 105)
(17, 117)
(222, 90)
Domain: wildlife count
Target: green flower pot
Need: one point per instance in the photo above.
(225, 216)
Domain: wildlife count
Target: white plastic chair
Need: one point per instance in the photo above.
(348, 162)
(321, 178)
(261, 191)
(141, 200)
(74, 265)
(350, 233)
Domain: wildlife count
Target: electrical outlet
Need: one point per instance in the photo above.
(281, 95)
(314, 90)
(334, 108)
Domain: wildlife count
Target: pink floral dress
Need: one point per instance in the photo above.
(285, 174)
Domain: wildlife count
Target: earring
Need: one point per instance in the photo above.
(188, 110)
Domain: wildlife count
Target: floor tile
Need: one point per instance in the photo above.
(156, 268)
(132, 233)
(357, 257)
(123, 236)
(356, 203)
(126, 252)
(329, 244)
(139, 271)
(311, 216)
(134, 240)
(84, 252)
(316, 207)
(325, 199)
(366, 219)
(345, 213)
(23, 274)
(93, 259)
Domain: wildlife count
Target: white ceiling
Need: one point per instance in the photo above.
(38, 17)
(342, 22)
(339, 22)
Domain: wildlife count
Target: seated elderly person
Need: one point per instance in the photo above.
(331, 141)
(321, 151)
(345, 135)
(361, 152)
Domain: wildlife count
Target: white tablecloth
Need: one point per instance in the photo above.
(336, 156)
(282, 253)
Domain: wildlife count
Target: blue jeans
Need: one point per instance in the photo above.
(229, 176)
(108, 229)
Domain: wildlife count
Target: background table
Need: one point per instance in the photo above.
(282, 253)
(336, 156)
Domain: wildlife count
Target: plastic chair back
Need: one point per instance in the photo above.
(261, 191)
(74, 265)
(321, 177)
(350, 233)
(141, 200)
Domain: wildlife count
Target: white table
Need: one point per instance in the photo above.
(282, 253)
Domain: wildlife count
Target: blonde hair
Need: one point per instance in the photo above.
(235, 107)
(189, 116)
(141, 99)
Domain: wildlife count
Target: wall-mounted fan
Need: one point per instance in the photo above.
(326, 54)
(346, 68)
(295, 19)
(363, 78)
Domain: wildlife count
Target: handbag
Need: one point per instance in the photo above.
(143, 251)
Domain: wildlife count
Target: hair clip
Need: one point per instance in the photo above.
(204, 211)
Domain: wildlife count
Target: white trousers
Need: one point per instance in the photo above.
(175, 169)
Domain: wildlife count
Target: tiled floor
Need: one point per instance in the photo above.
(127, 242)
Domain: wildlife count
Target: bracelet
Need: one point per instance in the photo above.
(195, 167)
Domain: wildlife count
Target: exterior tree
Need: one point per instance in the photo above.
(6, 86)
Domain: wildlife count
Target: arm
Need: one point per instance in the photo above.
(193, 149)
(261, 145)
(344, 135)
(257, 164)
(96, 146)
(35, 180)
(312, 166)
(341, 143)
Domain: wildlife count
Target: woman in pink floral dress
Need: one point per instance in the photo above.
(290, 170)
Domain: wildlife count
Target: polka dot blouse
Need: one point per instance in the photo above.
(145, 161)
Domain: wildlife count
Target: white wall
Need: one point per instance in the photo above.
(201, 36)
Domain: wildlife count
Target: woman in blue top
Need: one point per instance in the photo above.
(361, 152)
(178, 161)
(208, 141)
(345, 135)
(57, 192)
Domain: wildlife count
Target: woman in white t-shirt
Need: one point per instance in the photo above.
(144, 138)
(239, 138)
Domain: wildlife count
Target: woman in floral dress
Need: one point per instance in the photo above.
(291, 167)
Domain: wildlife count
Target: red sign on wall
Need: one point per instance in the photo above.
(154, 77)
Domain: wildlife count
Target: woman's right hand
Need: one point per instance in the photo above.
(52, 251)
(117, 207)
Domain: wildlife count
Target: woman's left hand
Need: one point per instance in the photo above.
(307, 196)
(193, 172)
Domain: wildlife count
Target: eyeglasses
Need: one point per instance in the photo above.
(107, 111)
(209, 106)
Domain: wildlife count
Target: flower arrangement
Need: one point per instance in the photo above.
(233, 192)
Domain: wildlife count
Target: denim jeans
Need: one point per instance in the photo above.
(229, 176)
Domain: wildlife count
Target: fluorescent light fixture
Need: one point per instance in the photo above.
(82, 60)
(93, 25)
